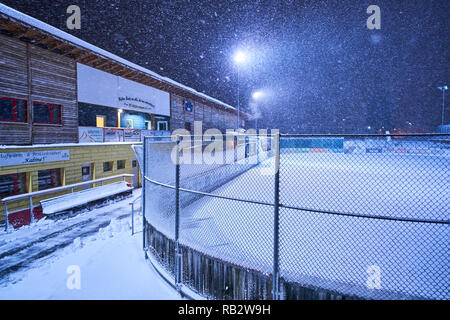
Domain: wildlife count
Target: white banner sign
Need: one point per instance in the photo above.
(90, 134)
(131, 135)
(113, 135)
(30, 157)
(104, 89)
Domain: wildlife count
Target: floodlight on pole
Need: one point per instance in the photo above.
(443, 89)
(239, 58)
(257, 95)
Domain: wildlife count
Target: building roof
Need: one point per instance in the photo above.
(19, 25)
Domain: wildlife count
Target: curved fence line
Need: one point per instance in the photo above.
(229, 232)
(300, 209)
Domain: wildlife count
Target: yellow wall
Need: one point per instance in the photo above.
(95, 154)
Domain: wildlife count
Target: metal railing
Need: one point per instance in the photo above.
(70, 187)
(132, 204)
(363, 216)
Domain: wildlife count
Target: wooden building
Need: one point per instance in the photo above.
(53, 101)
(40, 88)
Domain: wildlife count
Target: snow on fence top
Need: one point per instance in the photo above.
(22, 18)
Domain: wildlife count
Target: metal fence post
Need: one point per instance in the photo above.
(144, 165)
(31, 210)
(257, 148)
(6, 217)
(276, 224)
(177, 218)
(132, 218)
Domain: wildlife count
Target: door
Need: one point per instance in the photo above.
(86, 174)
(134, 164)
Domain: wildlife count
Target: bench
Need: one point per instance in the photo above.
(76, 199)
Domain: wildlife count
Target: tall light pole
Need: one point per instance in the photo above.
(443, 89)
(239, 58)
(257, 95)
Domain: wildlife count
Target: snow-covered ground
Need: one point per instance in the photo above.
(97, 243)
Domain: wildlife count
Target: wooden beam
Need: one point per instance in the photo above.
(15, 29)
(74, 51)
(85, 56)
(43, 40)
(127, 72)
(102, 64)
(93, 61)
(62, 46)
(112, 67)
(54, 44)
(116, 70)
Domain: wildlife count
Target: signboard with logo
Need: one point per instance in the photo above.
(131, 135)
(154, 133)
(104, 89)
(30, 157)
(90, 135)
(113, 135)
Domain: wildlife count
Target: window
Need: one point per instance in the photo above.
(48, 179)
(101, 120)
(107, 166)
(12, 184)
(188, 106)
(120, 164)
(13, 110)
(148, 125)
(129, 123)
(163, 125)
(46, 113)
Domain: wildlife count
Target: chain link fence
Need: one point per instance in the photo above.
(301, 216)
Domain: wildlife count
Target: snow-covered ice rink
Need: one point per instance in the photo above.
(334, 251)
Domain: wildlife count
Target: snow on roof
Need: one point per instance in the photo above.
(70, 38)
(67, 145)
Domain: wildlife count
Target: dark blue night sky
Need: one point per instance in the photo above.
(323, 70)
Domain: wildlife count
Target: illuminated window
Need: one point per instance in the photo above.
(101, 120)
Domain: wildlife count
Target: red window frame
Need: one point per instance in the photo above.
(52, 177)
(16, 185)
(50, 110)
(14, 100)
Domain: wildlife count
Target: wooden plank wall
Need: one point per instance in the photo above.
(212, 117)
(52, 79)
(13, 84)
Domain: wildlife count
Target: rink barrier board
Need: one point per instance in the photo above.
(215, 278)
